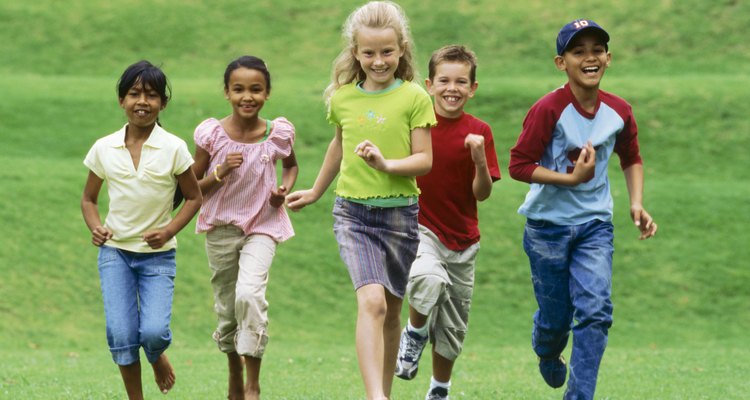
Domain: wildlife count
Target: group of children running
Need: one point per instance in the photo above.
(410, 170)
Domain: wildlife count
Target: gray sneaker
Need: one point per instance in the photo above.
(437, 393)
(409, 351)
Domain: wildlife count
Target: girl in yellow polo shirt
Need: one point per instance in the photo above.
(382, 142)
(142, 164)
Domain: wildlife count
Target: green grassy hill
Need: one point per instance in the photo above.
(681, 300)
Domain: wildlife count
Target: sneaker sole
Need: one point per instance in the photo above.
(405, 374)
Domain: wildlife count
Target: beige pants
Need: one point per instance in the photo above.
(441, 283)
(239, 266)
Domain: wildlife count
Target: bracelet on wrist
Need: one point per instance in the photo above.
(216, 173)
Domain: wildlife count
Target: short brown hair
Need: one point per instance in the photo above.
(454, 53)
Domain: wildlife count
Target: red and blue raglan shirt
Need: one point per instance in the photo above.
(554, 131)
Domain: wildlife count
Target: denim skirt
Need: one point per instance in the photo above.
(377, 244)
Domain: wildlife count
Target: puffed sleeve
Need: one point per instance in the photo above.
(281, 139)
(206, 134)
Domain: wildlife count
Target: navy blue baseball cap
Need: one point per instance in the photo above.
(569, 31)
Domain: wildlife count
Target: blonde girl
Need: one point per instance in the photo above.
(381, 143)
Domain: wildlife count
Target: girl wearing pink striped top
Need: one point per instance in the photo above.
(242, 215)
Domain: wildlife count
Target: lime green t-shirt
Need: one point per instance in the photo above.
(385, 118)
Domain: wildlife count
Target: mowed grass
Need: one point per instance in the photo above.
(681, 300)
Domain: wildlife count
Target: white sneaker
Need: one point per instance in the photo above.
(409, 351)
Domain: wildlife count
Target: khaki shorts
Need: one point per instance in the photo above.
(441, 283)
(239, 276)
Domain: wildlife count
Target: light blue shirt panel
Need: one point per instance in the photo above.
(564, 205)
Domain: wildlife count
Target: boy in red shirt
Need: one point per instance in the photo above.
(464, 167)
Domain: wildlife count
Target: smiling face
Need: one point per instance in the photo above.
(142, 105)
(378, 52)
(247, 92)
(585, 61)
(451, 88)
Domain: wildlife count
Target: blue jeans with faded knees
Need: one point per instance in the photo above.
(137, 289)
(571, 271)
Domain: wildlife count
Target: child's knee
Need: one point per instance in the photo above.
(250, 297)
(425, 291)
(155, 337)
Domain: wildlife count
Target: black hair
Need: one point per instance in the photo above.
(250, 62)
(144, 73)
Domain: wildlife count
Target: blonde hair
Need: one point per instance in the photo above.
(379, 15)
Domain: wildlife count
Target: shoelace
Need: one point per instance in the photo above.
(412, 347)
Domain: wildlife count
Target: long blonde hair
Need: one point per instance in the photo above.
(379, 15)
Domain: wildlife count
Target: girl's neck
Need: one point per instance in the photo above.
(376, 87)
(245, 130)
(134, 133)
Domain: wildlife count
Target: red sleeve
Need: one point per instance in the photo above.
(490, 154)
(626, 144)
(535, 136)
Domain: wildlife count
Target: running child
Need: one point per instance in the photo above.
(143, 165)
(381, 142)
(242, 215)
(567, 141)
(441, 280)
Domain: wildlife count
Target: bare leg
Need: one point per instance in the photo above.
(163, 373)
(442, 368)
(131, 377)
(236, 378)
(391, 337)
(371, 311)
(252, 387)
(416, 319)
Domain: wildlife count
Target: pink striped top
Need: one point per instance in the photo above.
(243, 198)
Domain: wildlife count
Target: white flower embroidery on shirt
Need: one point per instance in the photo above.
(264, 158)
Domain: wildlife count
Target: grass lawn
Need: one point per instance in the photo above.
(681, 299)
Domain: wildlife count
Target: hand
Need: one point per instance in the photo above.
(278, 196)
(231, 161)
(299, 199)
(475, 143)
(371, 154)
(100, 235)
(643, 222)
(585, 166)
(157, 239)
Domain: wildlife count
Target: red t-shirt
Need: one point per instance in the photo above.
(447, 206)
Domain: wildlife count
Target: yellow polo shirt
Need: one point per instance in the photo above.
(139, 199)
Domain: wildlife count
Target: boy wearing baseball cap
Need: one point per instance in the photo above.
(566, 143)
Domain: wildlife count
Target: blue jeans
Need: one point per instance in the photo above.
(137, 289)
(571, 270)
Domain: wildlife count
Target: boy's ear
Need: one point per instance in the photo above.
(560, 63)
(428, 84)
(474, 87)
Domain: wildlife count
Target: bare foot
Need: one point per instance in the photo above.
(163, 373)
